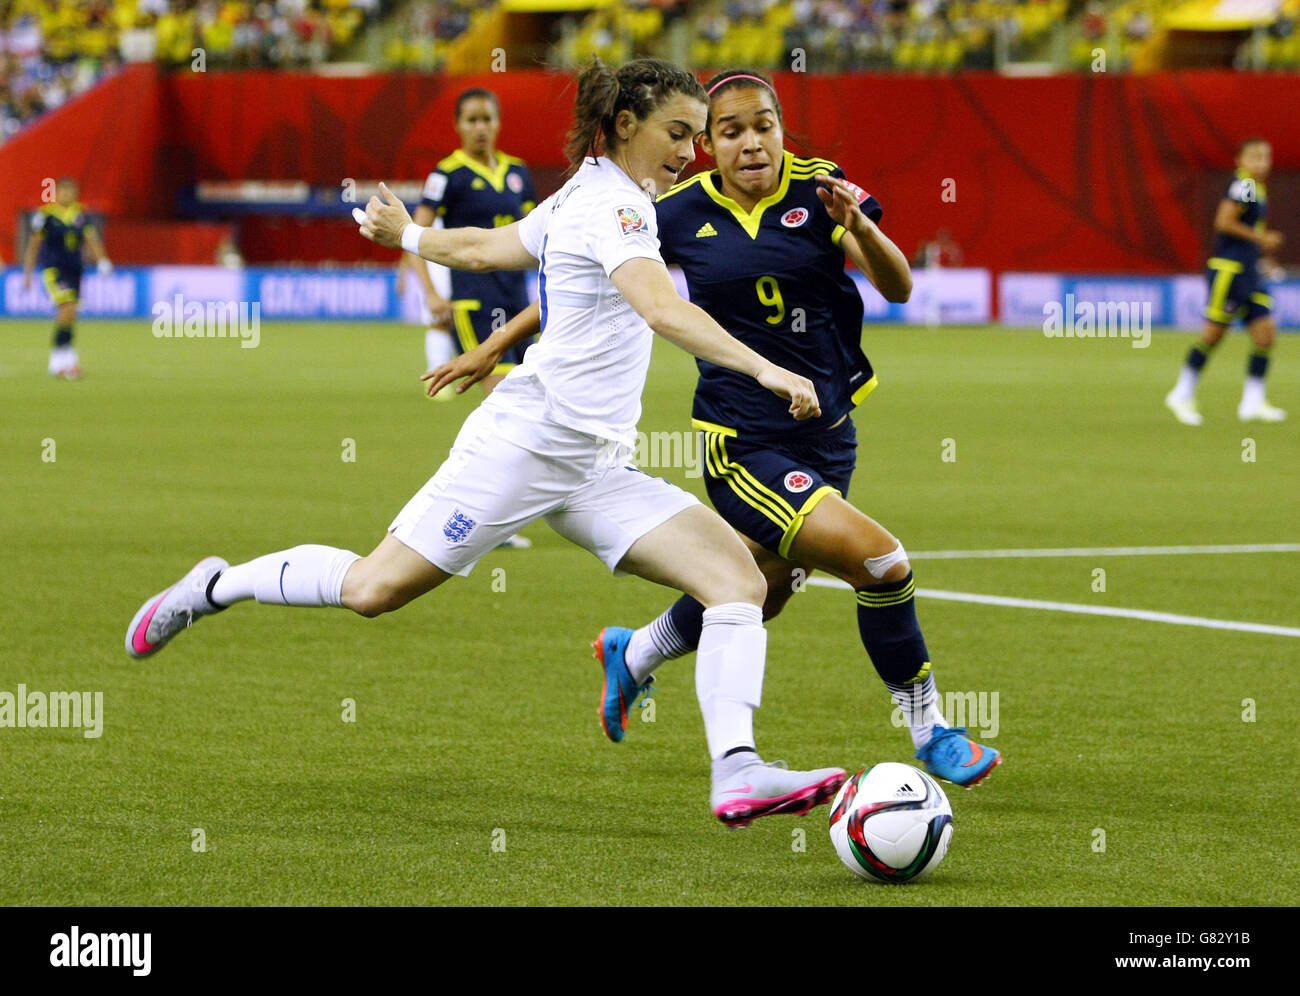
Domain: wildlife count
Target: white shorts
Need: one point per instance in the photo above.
(510, 466)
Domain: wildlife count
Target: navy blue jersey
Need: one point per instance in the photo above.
(774, 278)
(465, 193)
(63, 231)
(1251, 198)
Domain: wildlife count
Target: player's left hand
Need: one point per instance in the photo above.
(385, 219)
(840, 199)
(469, 368)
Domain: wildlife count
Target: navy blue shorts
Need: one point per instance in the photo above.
(473, 323)
(1236, 291)
(765, 488)
(62, 285)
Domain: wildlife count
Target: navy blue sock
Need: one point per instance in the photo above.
(676, 633)
(1257, 366)
(890, 632)
(1196, 357)
(63, 335)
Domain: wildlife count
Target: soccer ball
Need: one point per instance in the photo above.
(891, 823)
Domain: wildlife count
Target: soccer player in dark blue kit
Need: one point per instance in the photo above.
(476, 186)
(1236, 289)
(59, 232)
(762, 242)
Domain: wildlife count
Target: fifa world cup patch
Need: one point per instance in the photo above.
(797, 481)
(630, 220)
(458, 527)
(515, 182)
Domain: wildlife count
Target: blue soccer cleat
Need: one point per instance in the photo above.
(620, 694)
(955, 757)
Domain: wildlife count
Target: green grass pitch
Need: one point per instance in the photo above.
(475, 720)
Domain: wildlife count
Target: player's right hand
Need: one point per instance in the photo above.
(385, 219)
(27, 281)
(799, 390)
(469, 368)
(1272, 241)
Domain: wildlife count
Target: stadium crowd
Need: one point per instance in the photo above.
(51, 50)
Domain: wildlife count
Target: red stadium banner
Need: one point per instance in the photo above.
(1078, 173)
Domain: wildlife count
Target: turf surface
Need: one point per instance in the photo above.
(476, 708)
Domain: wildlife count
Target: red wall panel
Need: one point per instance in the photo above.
(1088, 172)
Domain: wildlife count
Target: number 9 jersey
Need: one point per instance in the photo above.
(774, 278)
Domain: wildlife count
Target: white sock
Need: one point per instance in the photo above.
(642, 656)
(920, 705)
(1252, 395)
(309, 575)
(729, 668)
(438, 348)
(1185, 389)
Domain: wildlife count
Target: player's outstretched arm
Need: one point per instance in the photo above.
(387, 222)
(470, 368)
(871, 250)
(649, 289)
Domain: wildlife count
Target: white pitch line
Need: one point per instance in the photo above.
(1086, 610)
(1103, 551)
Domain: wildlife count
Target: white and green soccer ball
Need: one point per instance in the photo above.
(891, 823)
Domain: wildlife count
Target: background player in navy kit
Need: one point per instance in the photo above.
(59, 231)
(479, 187)
(762, 241)
(1236, 289)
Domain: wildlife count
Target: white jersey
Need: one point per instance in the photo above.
(594, 351)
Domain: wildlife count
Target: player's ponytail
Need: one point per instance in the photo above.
(639, 86)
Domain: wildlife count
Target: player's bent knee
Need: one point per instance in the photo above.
(371, 598)
(885, 569)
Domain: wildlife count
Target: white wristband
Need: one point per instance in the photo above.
(411, 237)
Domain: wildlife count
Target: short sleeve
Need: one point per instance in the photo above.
(435, 189)
(38, 221)
(532, 228)
(1242, 191)
(623, 229)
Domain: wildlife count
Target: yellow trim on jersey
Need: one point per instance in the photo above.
(460, 158)
(67, 214)
(1261, 298)
(464, 326)
(860, 395)
(677, 188)
(750, 220)
(721, 430)
(804, 511)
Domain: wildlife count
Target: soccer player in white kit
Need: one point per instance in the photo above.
(553, 441)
